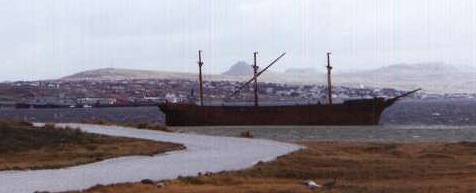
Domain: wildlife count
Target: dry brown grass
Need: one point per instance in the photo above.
(24, 147)
(359, 168)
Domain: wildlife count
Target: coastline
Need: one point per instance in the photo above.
(338, 167)
(203, 154)
(24, 146)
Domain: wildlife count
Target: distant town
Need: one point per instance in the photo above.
(90, 93)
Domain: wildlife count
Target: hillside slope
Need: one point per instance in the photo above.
(432, 77)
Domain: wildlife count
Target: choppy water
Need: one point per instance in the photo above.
(424, 113)
(348, 133)
(406, 121)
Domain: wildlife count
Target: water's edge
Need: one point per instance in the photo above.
(203, 154)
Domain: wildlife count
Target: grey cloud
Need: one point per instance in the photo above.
(53, 38)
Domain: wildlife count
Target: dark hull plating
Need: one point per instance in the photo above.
(362, 112)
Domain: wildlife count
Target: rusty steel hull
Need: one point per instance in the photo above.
(358, 113)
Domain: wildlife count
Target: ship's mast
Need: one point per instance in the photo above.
(253, 79)
(329, 83)
(200, 79)
(255, 71)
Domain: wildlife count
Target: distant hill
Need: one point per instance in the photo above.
(419, 69)
(433, 77)
(124, 74)
(116, 74)
(241, 68)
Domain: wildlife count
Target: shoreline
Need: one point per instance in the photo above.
(352, 166)
(232, 163)
(377, 134)
(27, 147)
(200, 156)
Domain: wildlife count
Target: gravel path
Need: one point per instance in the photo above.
(203, 154)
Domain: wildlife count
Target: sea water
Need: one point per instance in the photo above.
(405, 121)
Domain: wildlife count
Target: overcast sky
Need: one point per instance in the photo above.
(52, 38)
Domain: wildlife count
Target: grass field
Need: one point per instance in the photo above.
(358, 167)
(23, 146)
